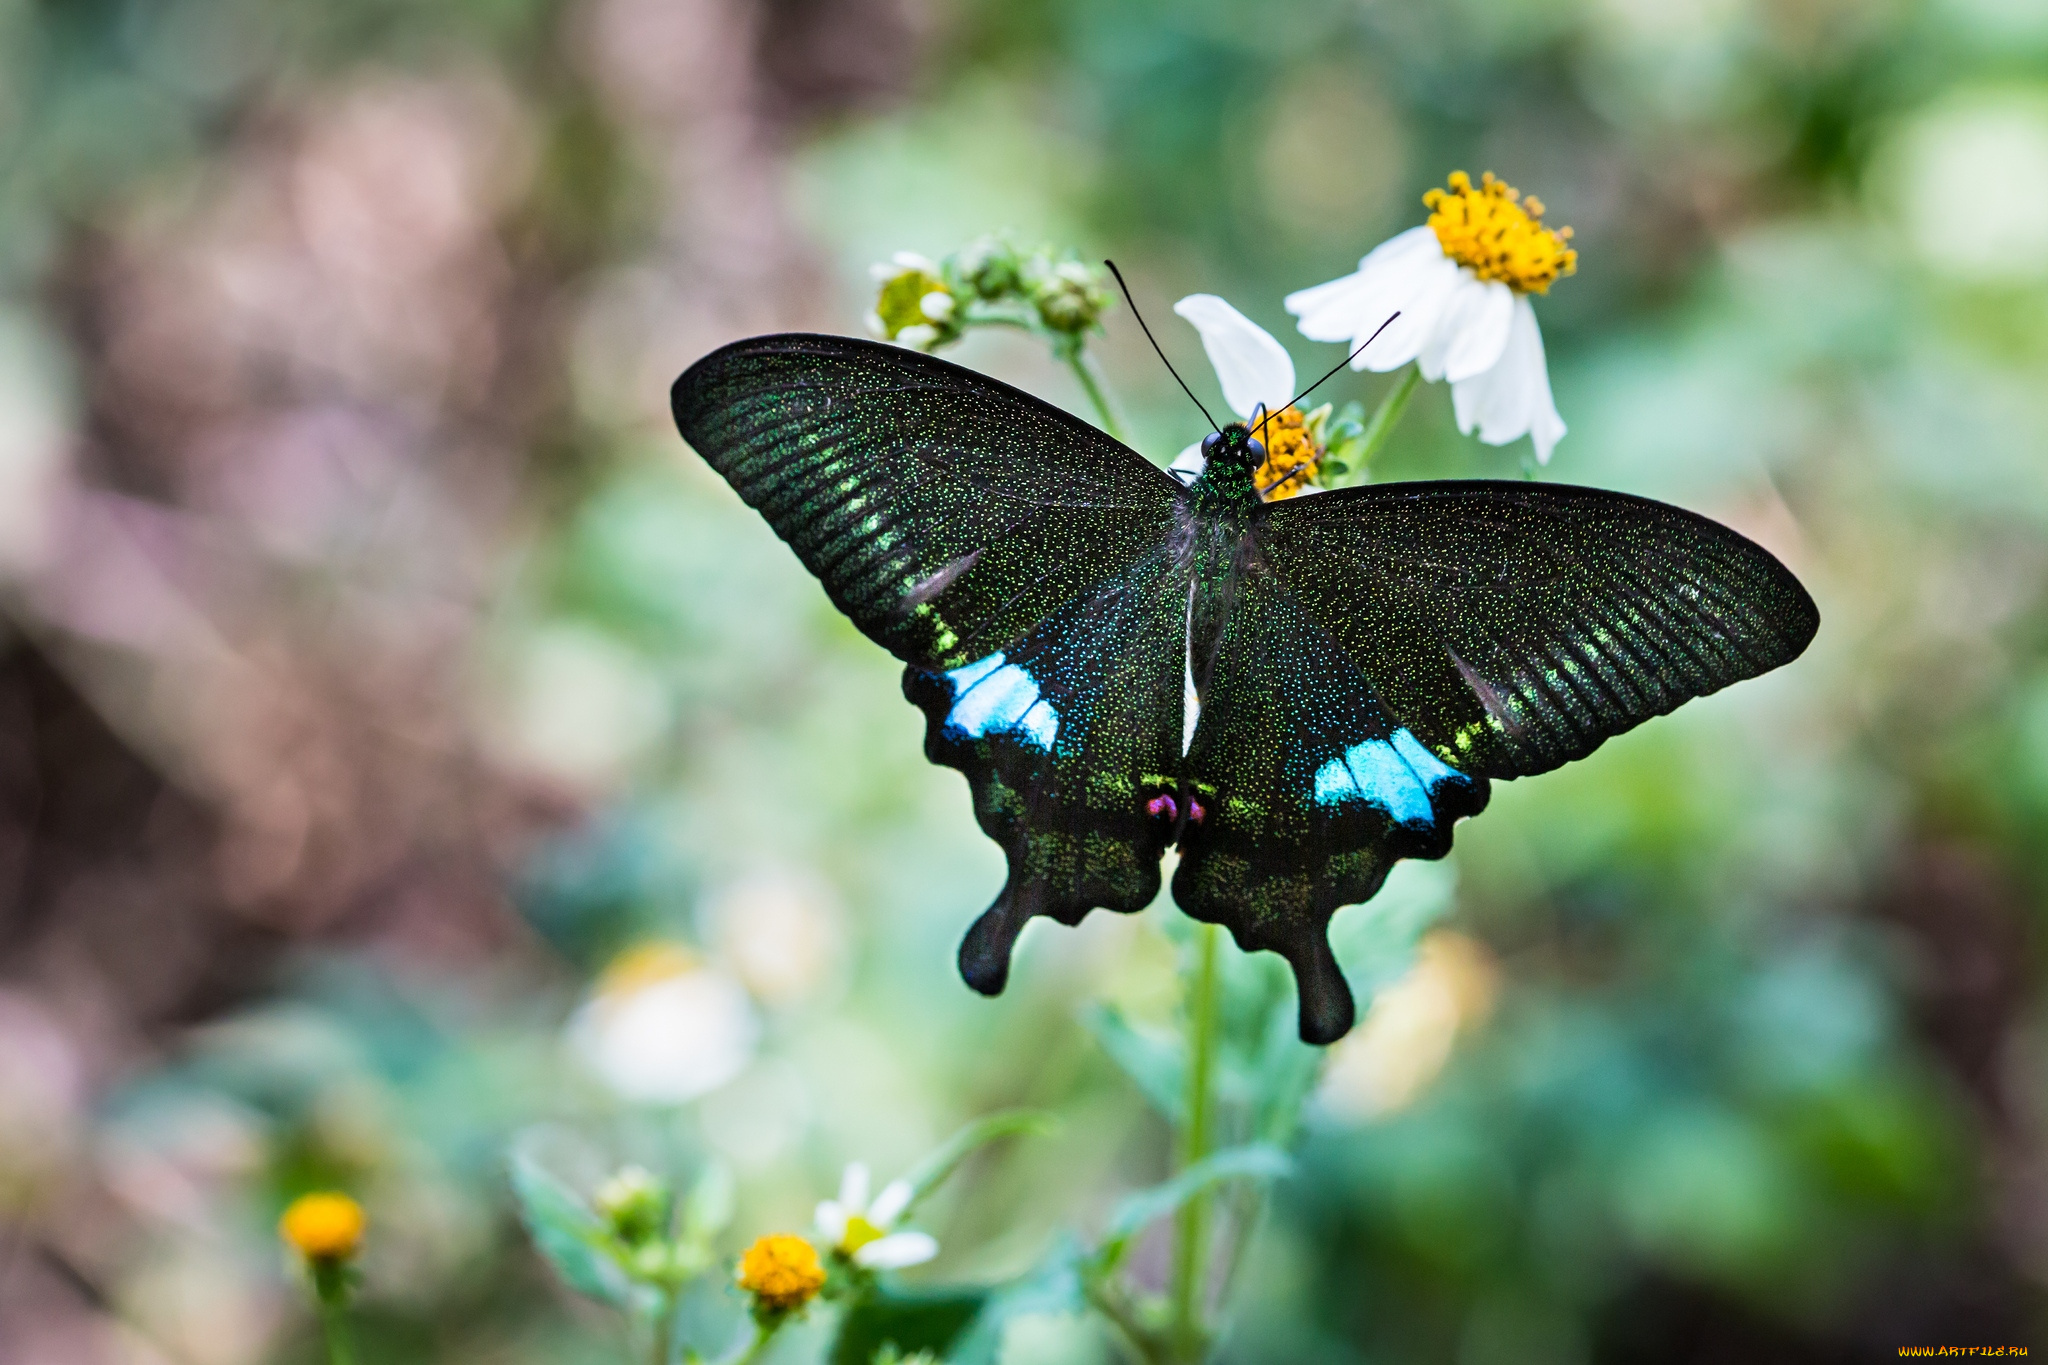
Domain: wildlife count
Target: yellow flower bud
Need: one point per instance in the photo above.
(782, 1272)
(327, 1226)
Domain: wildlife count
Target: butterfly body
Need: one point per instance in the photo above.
(1293, 694)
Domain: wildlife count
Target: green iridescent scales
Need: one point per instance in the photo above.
(1015, 557)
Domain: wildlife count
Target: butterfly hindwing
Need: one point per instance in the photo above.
(1070, 740)
(1308, 792)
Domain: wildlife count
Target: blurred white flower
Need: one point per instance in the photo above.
(779, 931)
(1257, 377)
(860, 1231)
(662, 1028)
(1969, 181)
(1406, 1039)
(1461, 284)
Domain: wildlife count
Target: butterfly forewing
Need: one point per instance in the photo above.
(945, 513)
(1513, 627)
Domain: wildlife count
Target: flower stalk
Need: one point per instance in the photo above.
(1382, 422)
(326, 1230)
(1188, 1334)
(1105, 416)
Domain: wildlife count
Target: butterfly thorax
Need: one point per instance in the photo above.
(1226, 485)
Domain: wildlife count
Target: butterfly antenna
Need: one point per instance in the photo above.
(1155, 345)
(1345, 361)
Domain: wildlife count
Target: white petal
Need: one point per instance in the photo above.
(1252, 367)
(853, 1188)
(890, 1203)
(1189, 464)
(1478, 332)
(1349, 307)
(1330, 311)
(1465, 298)
(1512, 399)
(831, 1219)
(897, 1250)
(1415, 299)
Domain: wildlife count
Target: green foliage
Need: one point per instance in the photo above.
(905, 1324)
(569, 1234)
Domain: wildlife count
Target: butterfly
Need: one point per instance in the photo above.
(1294, 694)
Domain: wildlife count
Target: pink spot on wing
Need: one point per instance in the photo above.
(1195, 811)
(1162, 807)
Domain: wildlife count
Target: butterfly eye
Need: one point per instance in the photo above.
(1258, 449)
(1210, 442)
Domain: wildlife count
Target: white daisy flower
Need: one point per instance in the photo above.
(1257, 376)
(663, 1028)
(1461, 284)
(860, 1231)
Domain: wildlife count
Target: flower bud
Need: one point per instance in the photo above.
(913, 305)
(323, 1227)
(634, 1204)
(1069, 296)
(989, 267)
(782, 1273)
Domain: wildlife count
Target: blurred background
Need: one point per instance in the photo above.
(387, 697)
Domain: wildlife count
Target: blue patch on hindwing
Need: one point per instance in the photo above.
(992, 696)
(1397, 775)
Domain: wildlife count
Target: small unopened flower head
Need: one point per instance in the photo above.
(781, 1272)
(1069, 296)
(913, 304)
(634, 1204)
(989, 266)
(326, 1226)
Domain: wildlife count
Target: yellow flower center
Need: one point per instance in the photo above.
(323, 1227)
(859, 1232)
(782, 1272)
(900, 303)
(1291, 455)
(644, 965)
(1498, 234)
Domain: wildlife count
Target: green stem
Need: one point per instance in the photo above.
(1104, 418)
(665, 1327)
(1191, 1241)
(763, 1334)
(1384, 417)
(330, 1287)
(1139, 1342)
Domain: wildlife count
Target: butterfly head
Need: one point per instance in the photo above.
(1234, 446)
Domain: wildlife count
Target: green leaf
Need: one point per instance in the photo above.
(930, 1321)
(928, 1174)
(1375, 942)
(1051, 1287)
(1253, 1161)
(1286, 1073)
(1156, 1063)
(567, 1233)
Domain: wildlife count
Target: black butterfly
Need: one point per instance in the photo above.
(1294, 693)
